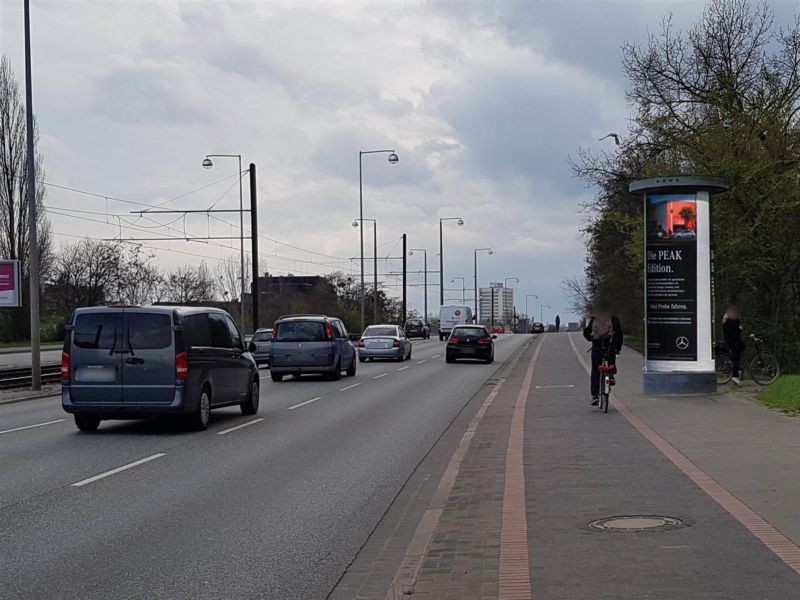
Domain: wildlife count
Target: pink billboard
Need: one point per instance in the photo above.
(9, 283)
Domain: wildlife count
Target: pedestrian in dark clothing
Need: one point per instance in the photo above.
(558, 323)
(604, 331)
(732, 332)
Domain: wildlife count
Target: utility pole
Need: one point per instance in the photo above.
(492, 320)
(33, 238)
(254, 291)
(405, 272)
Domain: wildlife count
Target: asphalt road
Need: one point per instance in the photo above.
(275, 509)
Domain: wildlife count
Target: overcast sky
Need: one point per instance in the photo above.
(483, 102)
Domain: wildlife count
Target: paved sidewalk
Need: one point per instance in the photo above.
(581, 465)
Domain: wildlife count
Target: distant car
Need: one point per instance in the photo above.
(684, 235)
(134, 362)
(470, 341)
(537, 328)
(417, 328)
(261, 346)
(498, 329)
(451, 316)
(303, 344)
(384, 341)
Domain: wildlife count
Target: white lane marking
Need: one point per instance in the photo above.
(381, 375)
(404, 368)
(422, 361)
(548, 387)
(117, 470)
(436, 356)
(349, 387)
(32, 426)
(304, 403)
(253, 422)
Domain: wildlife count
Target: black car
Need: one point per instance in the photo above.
(537, 328)
(417, 328)
(470, 341)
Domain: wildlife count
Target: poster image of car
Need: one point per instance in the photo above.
(9, 284)
(671, 217)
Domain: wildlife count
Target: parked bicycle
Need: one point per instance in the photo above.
(762, 366)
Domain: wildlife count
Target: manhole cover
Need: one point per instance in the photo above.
(635, 523)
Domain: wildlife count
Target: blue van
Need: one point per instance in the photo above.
(316, 344)
(133, 362)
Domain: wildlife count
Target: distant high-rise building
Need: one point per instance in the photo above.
(503, 304)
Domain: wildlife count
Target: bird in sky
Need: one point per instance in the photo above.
(611, 135)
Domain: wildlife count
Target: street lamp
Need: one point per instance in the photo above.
(527, 314)
(425, 254)
(207, 164)
(505, 286)
(460, 222)
(463, 288)
(375, 264)
(393, 160)
(488, 251)
(541, 307)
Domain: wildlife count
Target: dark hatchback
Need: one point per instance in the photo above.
(417, 328)
(537, 328)
(135, 362)
(470, 341)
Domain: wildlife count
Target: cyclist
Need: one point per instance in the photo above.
(604, 331)
(732, 331)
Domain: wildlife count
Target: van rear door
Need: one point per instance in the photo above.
(148, 367)
(96, 359)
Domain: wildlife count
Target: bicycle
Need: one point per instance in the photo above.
(763, 367)
(606, 371)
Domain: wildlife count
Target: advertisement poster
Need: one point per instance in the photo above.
(671, 277)
(10, 295)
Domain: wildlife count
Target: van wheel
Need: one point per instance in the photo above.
(351, 372)
(276, 376)
(87, 423)
(250, 406)
(198, 420)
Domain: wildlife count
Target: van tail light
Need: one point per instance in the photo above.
(64, 366)
(396, 343)
(452, 340)
(486, 340)
(328, 331)
(360, 343)
(181, 366)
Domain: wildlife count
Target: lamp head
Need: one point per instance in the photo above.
(393, 158)
(460, 222)
(355, 223)
(207, 164)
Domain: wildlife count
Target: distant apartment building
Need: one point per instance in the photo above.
(497, 301)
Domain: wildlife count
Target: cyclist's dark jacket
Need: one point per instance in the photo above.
(732, 331)
(616, 336)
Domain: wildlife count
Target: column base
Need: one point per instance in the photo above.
(656, 383)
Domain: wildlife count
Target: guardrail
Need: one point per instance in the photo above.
(21, 376)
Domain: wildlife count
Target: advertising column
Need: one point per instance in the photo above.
(677, 249)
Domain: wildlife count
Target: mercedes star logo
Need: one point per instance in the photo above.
(682, 342)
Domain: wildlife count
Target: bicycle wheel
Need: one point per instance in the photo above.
(764, 369)
(604, 393)
(724, 368)
(604, 402)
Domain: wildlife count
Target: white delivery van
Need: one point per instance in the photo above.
(452, 315)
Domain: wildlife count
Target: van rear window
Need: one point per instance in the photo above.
(300, 331)
(149, 331)
(95, 331)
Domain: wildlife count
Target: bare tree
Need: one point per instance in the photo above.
(13, 194)
(229, 274)
(189, 284)
(580, 299)
(85, 274)
(137, 279)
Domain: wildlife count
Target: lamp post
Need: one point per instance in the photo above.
(393, 159)
(475, 276)
(527, 314)
(460, 222)
(425, 255)
(541, 308)
(375, 264)
(505, 286)
(463, 288)
(207, 164)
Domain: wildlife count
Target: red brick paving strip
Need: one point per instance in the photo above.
(773, 539)
(514, 581)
